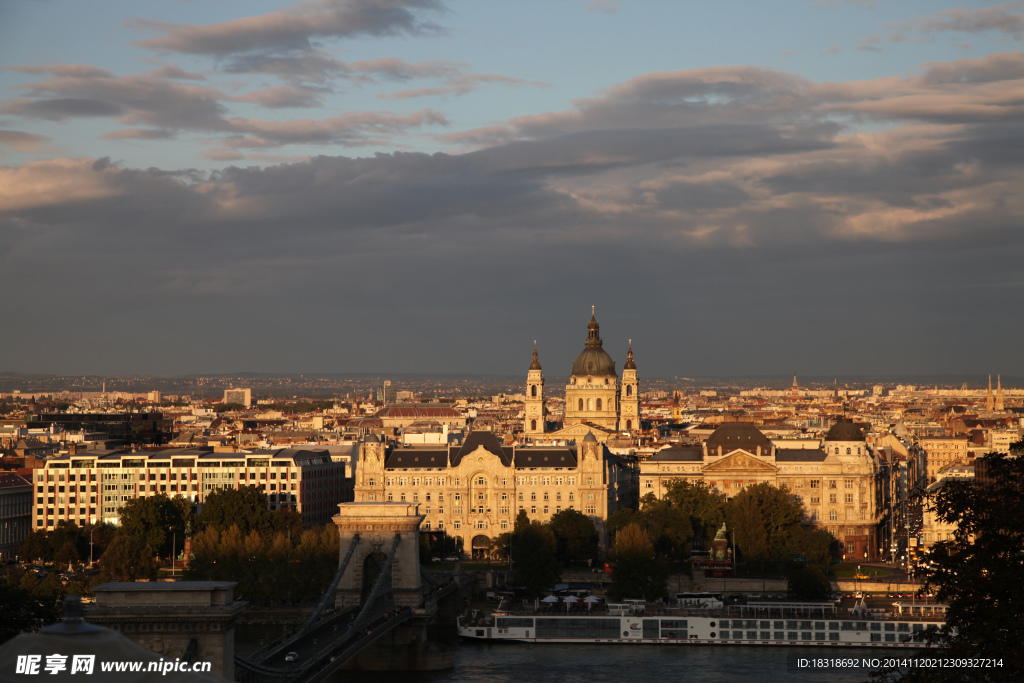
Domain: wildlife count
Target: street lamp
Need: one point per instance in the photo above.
(91, 532)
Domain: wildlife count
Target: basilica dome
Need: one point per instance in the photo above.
(593, 359)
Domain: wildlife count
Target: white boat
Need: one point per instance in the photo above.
(753, 623)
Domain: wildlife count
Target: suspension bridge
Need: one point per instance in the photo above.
(379, 595)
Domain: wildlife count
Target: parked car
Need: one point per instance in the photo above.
(451, 558)
(435, 559)
(291, 656)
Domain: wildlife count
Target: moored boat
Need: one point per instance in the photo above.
(753, 623)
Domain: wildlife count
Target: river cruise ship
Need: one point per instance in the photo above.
(753, 623)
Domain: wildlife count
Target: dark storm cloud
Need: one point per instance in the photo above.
(739, 213)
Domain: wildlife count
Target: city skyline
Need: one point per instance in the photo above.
(418, 186)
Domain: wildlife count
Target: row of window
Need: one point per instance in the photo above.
(480, 481)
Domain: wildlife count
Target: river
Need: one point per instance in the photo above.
(526, 663)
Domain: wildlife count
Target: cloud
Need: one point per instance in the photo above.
(60, 108)
(1000, 18)
(458, 85)
(29, 143)
(664, 182)
(177, 73)
(157, 108)
(284, 96)
(296, 27)
(139, 134)
(831, 50)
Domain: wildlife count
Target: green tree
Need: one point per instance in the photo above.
(701, 503)
(129, 558)
(156, 521)
(978, 573)
(575, 537)
(766, 522)
(623, 517)
(533, 557)
(639, 572)
(668, 526)
(245, 507)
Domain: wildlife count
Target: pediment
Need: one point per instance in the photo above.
(741, 460)
(578, 430)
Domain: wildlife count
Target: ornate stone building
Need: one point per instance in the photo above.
(595, 401)
(835, 483)
(592, 395)
(474, 490)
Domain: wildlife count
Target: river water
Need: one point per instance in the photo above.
(523, 662)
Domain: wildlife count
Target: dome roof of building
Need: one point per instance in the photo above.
(844, 430)
(535, 365)
(371, 438)
(593, 359)
(733, 435)
(589, 438)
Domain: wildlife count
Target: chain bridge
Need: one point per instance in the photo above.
(379, 596)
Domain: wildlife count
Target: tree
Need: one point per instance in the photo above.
(245, 506)
(668, 527)
(533, 556)
(766, 523)
(156, 521)
(809, 583)
(23, 608)
(129, 558)
(978, 573)
(639, 572)
(817, 546)
(622, 518)
(701, 503)
(36, 547)
(575, 537)
(67, 555)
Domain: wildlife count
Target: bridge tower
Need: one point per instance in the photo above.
(377, 524)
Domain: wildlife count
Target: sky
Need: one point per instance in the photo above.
(739, 187)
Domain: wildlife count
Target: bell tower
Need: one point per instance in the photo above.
(533, 421)
(629, 416)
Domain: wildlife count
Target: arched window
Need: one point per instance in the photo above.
(837, 450)
(629, 424)
(533, 391)
(581, 404)
(848, 451)
(629, 390)
(599, 404)
(533, 425)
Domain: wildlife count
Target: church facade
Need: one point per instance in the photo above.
(594, 396)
